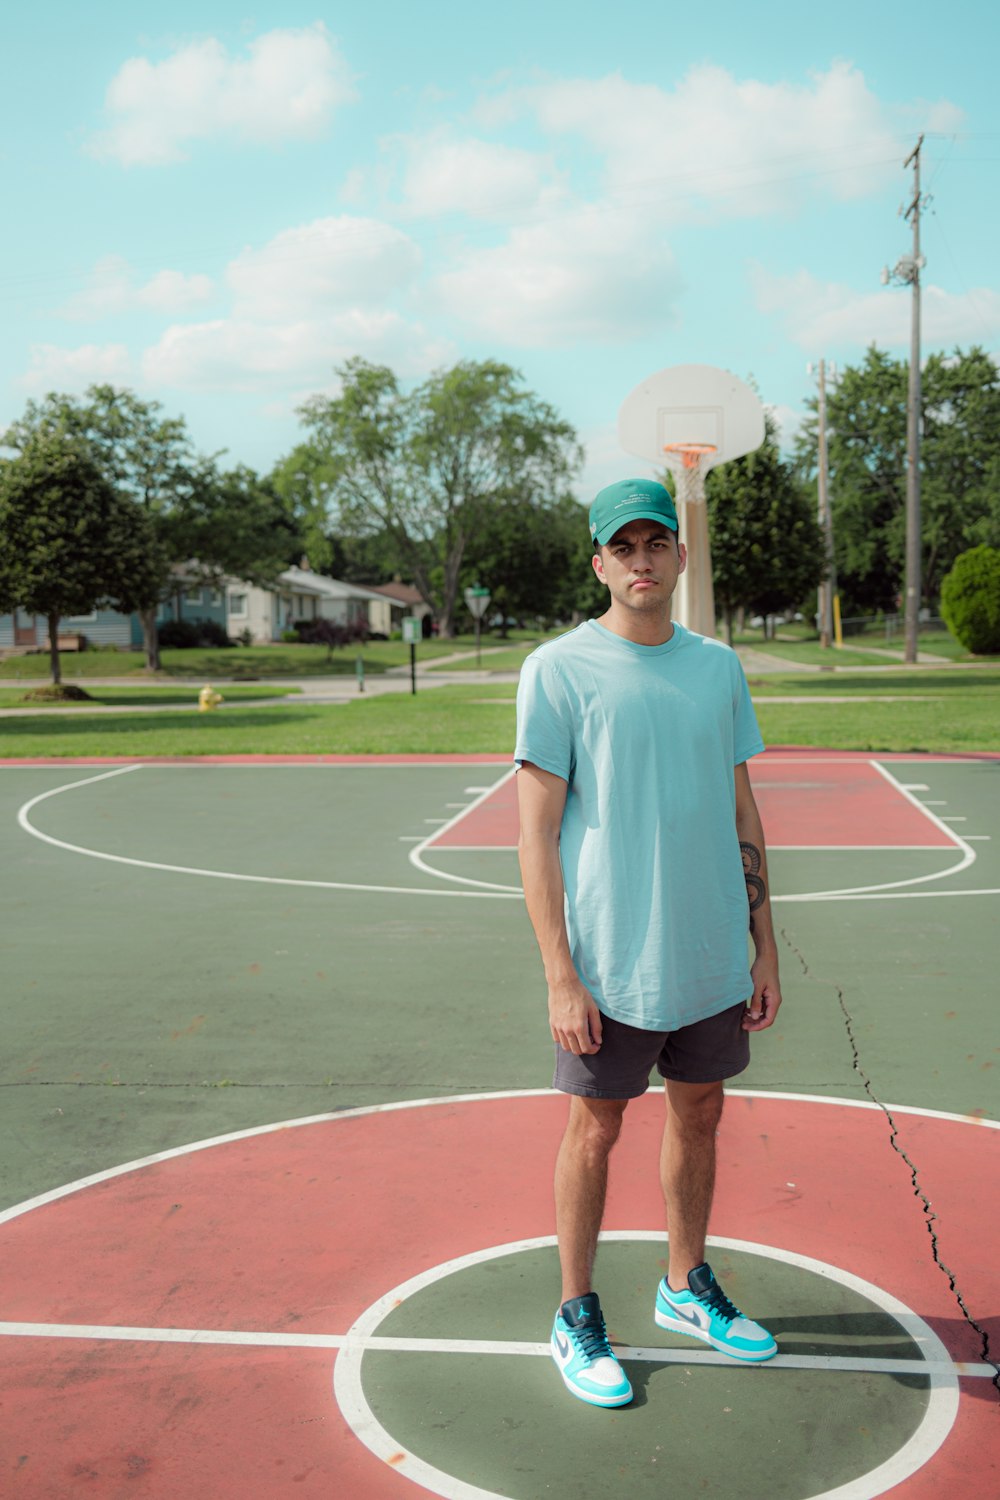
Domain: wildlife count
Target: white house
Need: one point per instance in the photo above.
(301, 594)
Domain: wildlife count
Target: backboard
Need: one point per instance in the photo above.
(691, 404)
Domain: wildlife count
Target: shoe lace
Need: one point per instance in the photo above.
(592, 1339)
(716, 1299)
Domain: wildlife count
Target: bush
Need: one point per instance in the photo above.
(331, 633)
(190, 633)
(970, 600)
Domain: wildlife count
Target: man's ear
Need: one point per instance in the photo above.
(598, 567)
(683, 554)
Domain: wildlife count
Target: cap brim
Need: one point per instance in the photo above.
(639, 514)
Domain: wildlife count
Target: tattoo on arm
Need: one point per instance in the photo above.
(756, 889)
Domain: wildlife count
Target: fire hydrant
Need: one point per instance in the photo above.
(208, 699)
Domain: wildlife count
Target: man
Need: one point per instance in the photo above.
(642, 857)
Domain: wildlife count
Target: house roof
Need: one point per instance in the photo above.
(403, 593)
(305, 581)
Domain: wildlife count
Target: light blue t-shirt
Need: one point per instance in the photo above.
(647, 738)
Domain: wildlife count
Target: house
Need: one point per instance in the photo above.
(404, 600)
(301, 594)
(192, 600)
(237, 606)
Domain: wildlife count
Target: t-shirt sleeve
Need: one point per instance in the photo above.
(544, 727)
(746, 734)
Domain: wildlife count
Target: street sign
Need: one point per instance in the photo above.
(411, 630)
(477, 601)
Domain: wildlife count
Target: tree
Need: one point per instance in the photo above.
(767, 547)
(960, 470)
(208, 522)
(68, 539)
(424, 467)
(970, 600)
(535, 559)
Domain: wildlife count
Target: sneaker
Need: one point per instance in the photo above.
(581, 1350)
(705, 1312)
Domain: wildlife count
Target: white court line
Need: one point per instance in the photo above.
(933, 1429)
(848, 1364)
(498, 893)
(900, 886)
(492, 886)
(483, 889)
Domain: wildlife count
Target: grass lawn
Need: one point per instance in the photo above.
(504, 659)
(141, 696)
(247, 662)
(931, 710)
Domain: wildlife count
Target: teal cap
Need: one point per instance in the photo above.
(630, 500)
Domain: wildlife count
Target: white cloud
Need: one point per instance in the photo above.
(446, 174)
(787, 420)
(72, 370)
(304, 302)
(243, 355)
(718, 146)
(824, 316)
(285, 88)
(593, 273)
(605, 462)
(113, 290)
(329, 265)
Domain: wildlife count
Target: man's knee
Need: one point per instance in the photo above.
(696, 1107)
(594, 1124)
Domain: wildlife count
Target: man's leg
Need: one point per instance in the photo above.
(689, 1300)
(687, 1171)
(581, 1186)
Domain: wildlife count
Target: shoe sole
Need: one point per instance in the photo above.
(586, 1396)
(682, 1325)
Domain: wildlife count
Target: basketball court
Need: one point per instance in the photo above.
(280, 1141)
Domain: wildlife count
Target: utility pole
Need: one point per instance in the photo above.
(913, 548)
(906, 272)
(826, 587)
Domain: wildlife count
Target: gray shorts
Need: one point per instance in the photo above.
(705, 1052)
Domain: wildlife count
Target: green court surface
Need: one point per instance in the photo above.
(201, 949)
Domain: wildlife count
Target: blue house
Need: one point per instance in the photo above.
(192, 600)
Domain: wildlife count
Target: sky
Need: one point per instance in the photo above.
(217, 206)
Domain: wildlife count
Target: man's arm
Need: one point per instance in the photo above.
(763, 1006)
(573, 1017)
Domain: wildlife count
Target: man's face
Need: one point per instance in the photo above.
(641, 565)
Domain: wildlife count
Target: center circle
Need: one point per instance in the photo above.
(865, 1430)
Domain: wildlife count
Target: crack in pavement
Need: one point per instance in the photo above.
(930, 1217)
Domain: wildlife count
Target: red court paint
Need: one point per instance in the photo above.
(301, 1228)
(483, 758)
(823, 805)
(812, 804)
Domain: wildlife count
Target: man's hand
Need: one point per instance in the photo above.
(574, 1019)
(762, 1007)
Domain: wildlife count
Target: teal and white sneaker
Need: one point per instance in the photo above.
(705, 1312)
(581, 1350)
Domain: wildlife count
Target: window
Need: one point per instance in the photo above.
(238, 605)
(193, 596)
(215, 598)
(90, 619)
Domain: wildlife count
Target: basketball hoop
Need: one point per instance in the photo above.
(690, 453)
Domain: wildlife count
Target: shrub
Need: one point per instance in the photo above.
(189, 633)
(970, 600)
(331, 633)
(61, 692)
